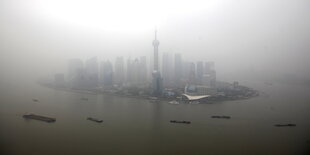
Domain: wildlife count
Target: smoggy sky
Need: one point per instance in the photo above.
(265, 36)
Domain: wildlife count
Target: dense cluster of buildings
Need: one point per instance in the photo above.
(193, 78)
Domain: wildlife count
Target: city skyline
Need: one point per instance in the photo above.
(164, 77)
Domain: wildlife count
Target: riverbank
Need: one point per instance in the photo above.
(223, 94)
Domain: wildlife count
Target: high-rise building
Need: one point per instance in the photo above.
(91, 71)
(73, 66)
(119, 71)
(209, 77)
(199, 72)
(76, 74)
(192, 73)
(136, 71)
(167, 70)
(129, 71)
(135, 68)
(209, 66)
(157, 81)
(107, 73)
(178, 69)
(213, 78)
(143, 69)
(155, 44)
(186, 70)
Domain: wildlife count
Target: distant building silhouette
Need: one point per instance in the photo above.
(192, 73)
(76, 74)
(199, 72)
(74, 65)
(209, 76)
(156, 44)
(119, 74)
(107, 73)
(157, 82)
(91, 70)
(178, 69)
(167, 70)
(143, 70)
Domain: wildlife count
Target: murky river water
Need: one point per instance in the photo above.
(137, 126)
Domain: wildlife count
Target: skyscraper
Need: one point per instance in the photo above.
(209, 77)
(167, 69)
(129, 71)
(107, 73)
(74, 65)
(192, 77)
(157, 80)
(135, 68)
(199, 71)
(178, 69)
(136, 71)
(119, 71)
(156, 44)
(186, 70)
(143, 69)
(209, 66)
(91, 71)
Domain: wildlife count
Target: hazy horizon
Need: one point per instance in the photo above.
(265, 37)
(239, 82)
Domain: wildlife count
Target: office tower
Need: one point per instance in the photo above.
(129, 71)
(186, 70)
(76, 74)
(199, 71)
(213, 79)
(143, 69)
(209, 77)
(73, 66)
(91, 70)
(192, 73)
(209, 66)
(135, 69)
(167, 70)
(107, 73)
(178, 69)
(119, 71)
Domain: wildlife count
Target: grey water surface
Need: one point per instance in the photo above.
(137, 126)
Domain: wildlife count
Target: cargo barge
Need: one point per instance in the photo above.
(40, 118)
(224, 117)
(285, 125)
(95, 120)
(184, 122)
(35, 100)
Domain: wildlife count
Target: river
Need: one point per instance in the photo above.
(137, 126)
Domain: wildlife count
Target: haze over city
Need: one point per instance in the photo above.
(269, 36)
(154, 77)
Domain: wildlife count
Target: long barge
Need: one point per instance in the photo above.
(40, 118)
(224, 117)
(95, 120)
(176, 121)
(285, 125)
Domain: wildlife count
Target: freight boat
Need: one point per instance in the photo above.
(40, 118)
(176, 121)
(225, 117)
(95, 120)
(285, 125)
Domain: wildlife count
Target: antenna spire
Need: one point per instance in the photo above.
(155, 33)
